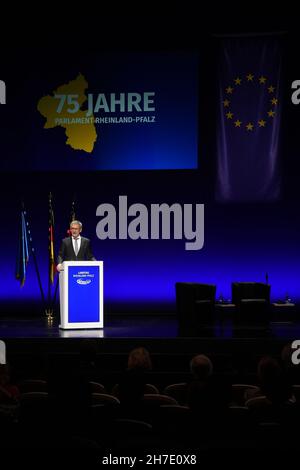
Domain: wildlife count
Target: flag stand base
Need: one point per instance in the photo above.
(50, 316)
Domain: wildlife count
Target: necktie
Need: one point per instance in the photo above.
(76, 246)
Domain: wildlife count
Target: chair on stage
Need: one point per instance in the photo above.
(195, 305)
(252, 300)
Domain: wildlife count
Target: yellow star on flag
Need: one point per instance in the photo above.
(229, 115)
(262, 80)
(238, 81)
(237, 123)
(226, 103)
(261, 123)
(271, 89)
(250, 77)
(249, 127)
(271, 113)
(274, 101)
(229, 90)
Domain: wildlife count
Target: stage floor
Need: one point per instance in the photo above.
(115, 327)
(139, 326)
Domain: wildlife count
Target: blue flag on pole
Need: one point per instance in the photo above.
(23, 252)
(249, 114)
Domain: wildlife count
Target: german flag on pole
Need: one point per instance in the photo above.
(52, 267)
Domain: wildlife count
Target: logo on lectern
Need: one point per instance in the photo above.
(83, 282)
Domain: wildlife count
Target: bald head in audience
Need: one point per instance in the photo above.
(201, 367)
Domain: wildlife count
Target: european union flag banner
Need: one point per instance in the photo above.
(23, 252)
(249, 119)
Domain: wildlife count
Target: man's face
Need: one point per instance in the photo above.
(75, 230)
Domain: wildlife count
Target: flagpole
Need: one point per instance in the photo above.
(34, 256)
(49, 267)
(72, 218)
(51, 273)
(73, 214)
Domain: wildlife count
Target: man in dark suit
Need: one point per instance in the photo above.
(74, 248)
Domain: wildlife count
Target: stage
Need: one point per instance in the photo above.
(159, 326)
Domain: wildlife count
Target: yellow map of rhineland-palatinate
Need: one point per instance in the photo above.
(81, 135)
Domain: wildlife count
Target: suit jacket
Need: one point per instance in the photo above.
(67, 253)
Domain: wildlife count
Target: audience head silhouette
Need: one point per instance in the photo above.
(139, 359)
(268, 370)
(272, 379)
(201, 367)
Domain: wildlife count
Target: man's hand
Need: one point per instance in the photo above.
(59, 267)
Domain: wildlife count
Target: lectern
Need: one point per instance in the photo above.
(81, 295)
